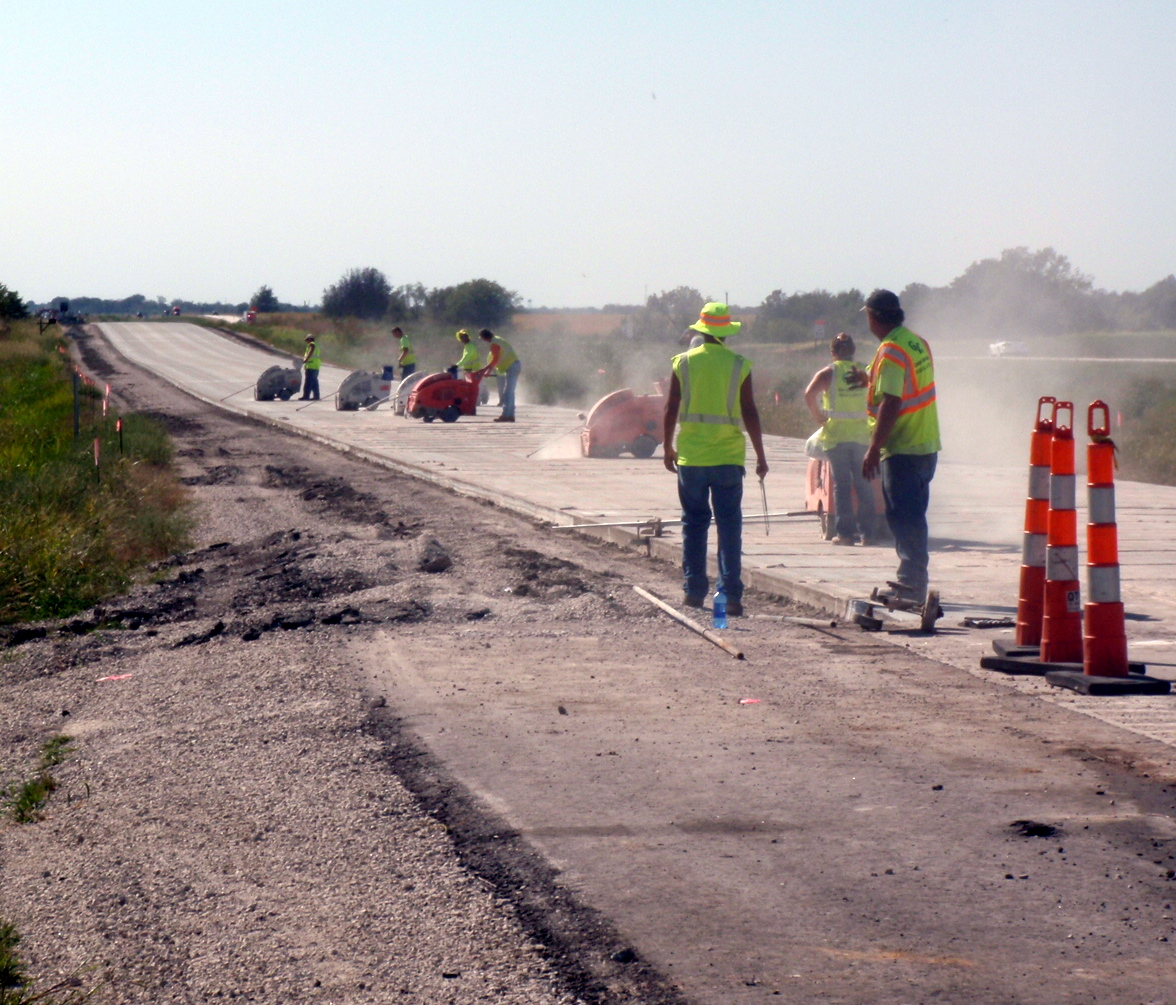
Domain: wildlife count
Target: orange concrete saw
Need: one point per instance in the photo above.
(444, 396)
(624, 422)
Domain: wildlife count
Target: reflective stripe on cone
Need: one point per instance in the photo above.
(1061, 626)
(1104, 639)
(1031, 595)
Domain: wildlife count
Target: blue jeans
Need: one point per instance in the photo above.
(407, 370)
(310, 388)
(906, 486)
(508, 391)
(700, 489)
(846, 461)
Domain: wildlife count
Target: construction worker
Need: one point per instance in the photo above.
(312, 362)
(710, 397)
(504, 362)
(470, 363)
(407, 358)
(836, 397)
(904, 445)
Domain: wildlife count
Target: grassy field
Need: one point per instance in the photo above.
(72, 530)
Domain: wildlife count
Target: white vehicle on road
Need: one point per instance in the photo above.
(1008, 349)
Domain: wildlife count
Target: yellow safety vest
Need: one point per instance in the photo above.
(710, 416)
(312, 360)
(508, 355)
(903, 368)
(470, 360)
(848, 418)
(405, 344)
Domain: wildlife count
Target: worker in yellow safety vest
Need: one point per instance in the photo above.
(710, 403)
(504, 362)
(407, 358)
(312, 362)
(469, 364)
(904, 446)
(836, 397)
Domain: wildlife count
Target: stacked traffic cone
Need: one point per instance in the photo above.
(1061, 626)
(1032, 593)
(1105, 638)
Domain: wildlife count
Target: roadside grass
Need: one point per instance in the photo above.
(72, 530)
(1147, 441)
(17, 988)
(25, 800)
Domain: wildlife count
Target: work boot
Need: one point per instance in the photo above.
(734, 608)
(898, 591)
(691, 600)
(505, 418)
(844, 540)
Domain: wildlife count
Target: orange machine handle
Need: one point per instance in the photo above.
(1045, 422)
(1063, 430)
(1103, 429)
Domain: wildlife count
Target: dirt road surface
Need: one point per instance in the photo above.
(380, 744)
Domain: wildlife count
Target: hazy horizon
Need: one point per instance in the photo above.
(581, 155)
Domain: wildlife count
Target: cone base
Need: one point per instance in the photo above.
(1084, 683)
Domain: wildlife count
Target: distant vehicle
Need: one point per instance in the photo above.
(250, 317)
(175, 311)
(1008, 349)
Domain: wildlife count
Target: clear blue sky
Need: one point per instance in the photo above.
(580, 152)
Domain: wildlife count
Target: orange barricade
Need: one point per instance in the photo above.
(1061, 626)
(1105, 638)
(1032, 592)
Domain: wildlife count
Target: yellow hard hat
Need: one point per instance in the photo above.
(461, 333)
(715, 320)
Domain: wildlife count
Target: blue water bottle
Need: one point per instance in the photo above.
(719, 610)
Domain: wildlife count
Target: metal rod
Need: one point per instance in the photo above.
(694, 626)
(376, 404)
(788, 619)
(673, 523)
(764, 497)
(556, 439)
(235, 393)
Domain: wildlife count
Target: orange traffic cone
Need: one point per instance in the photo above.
(1061, 626)
(1105, 639)
(1032, 592)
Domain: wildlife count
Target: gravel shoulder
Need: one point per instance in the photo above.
(229, 823)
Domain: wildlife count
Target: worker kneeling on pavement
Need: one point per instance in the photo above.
(710, 399)
(904, 445)
(844, 436)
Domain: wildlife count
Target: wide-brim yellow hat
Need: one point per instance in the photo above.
(715, 320)
(461, 333)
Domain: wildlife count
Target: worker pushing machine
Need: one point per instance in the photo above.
(312, 362)
(710, 398)
(504, 362)
(407, 358)
(470, 362)
(905, 445)
(836, 397)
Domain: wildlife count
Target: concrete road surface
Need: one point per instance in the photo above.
(837, 819)
(534, 467)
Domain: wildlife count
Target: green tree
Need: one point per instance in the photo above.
(264, 301)
(477, 302)
(666, 315)
(11, 305)
(361, 293)
(793, 318)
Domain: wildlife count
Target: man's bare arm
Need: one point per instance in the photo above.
(883, 427)
(670, 423)
(751, 422)
(821, 382)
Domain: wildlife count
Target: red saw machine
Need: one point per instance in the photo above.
(624, 422)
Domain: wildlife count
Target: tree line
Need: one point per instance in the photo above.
(1021, 292)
